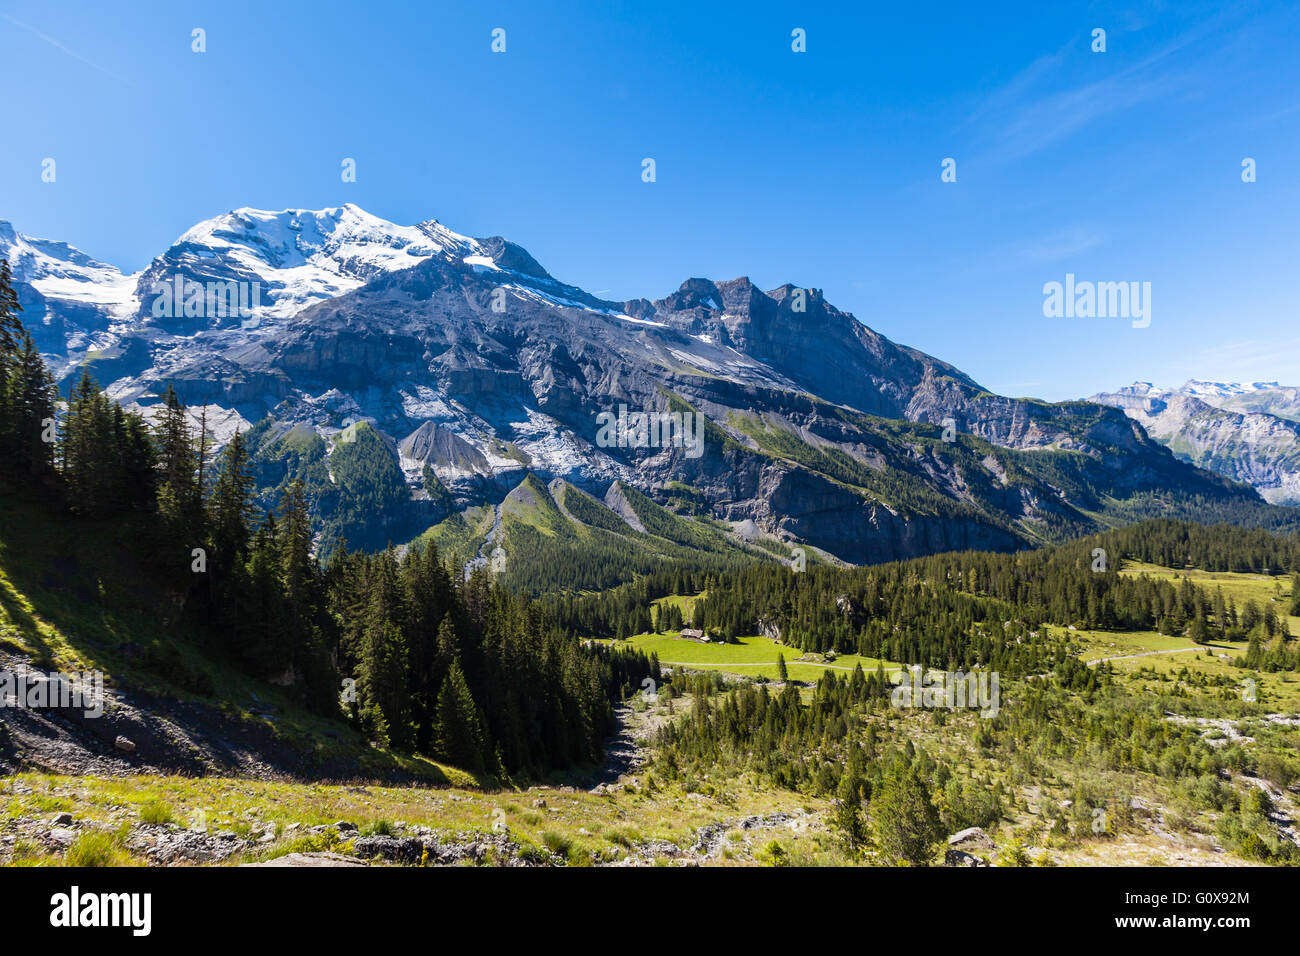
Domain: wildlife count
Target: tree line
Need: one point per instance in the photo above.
(978, 608)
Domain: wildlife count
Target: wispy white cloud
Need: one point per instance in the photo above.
(52, 41)
(1039, 107)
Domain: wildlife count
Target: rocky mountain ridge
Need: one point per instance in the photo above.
(1224, 428)
(471, 369)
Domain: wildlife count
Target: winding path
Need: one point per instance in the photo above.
(1129, 657)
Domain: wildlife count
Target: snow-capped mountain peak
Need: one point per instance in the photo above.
(1205, 390)
(285, 260)
(303, 256)
(347, 234)
(1143, 390)
(32, 258)
(58, 270)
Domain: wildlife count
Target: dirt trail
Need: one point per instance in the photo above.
(627, 751)
(1129, 657)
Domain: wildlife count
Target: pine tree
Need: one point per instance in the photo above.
(846, 819)
(427, 598)
(1254, 651)
(180, 501)
(448, 646)
(27, 411)
(383, 687)
(11, 328)
(1199, 631)
(257, 635)
(306, 623)
(1220, 613)
(460, 729)
(297, 567)
(87, 448)
(904, 820)
(230, 508)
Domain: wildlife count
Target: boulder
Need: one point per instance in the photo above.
(406, 850)
(971, 838)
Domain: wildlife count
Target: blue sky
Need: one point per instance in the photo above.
(819, 168)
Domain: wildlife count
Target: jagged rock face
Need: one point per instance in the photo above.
(820, 349)
(471, 360)
(1257, 448)
(441, 449)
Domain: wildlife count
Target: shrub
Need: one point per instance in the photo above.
(557, 843)
(1014, 854)
(774, 854)
(623, 836)
(577, 856)
(533, 854)
(155, 811)
(97, 848)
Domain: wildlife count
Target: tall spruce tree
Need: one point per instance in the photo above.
(180, 500)
(383, 686)
(846, 819)
(230, 505)
(27, 411)
(10, 326)
(460, 728)
(904, 820)
(87, 448)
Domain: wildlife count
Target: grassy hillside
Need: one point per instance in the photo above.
(74, 598)
(128, 822)
(571, 542)
(459, 536)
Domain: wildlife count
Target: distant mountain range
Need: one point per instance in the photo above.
(427, 383)
(1250, 433)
